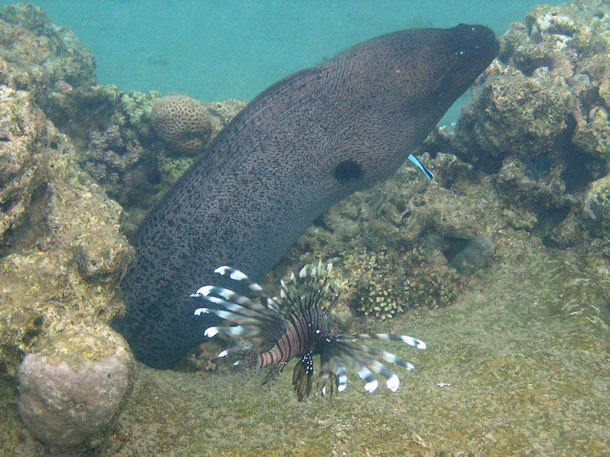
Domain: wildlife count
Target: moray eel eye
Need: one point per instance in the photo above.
(348, 170)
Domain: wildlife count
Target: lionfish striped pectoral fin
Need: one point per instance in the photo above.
(360, 358)
(250, 318)
(237, 275)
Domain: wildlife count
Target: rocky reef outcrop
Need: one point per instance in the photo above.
(61, 249)
(112, 129)
(119, 146)
(40, 57)
(539, 121)
(62, 256)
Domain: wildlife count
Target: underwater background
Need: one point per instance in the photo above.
(501, 263)
(214, 50)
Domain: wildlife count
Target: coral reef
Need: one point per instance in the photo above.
(111, 132)
(61, 256)
(539, 119)
(118, 146)
(110, 159)
(409, 242)
(120, 153)
(192, 131)
(223, 112)
(110, 128)
(597, 203)
(58, 277)
(182, 123)
(512, 233)
(62, 251)
(383, 284)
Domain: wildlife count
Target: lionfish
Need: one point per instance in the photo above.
(298, 324)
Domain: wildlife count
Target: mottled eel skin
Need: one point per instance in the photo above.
(301, 146)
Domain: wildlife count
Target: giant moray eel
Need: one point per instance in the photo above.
(301, 146)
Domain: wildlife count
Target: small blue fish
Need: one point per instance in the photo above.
(421, 166)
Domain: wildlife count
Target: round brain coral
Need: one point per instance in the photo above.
(182, 123)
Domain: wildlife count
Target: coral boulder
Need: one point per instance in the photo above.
(67, 396)
(182, 123)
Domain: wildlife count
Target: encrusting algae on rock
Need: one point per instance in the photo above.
(21, 155)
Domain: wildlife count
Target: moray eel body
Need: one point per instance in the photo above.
(301, 146)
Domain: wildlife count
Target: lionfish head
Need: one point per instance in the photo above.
(298, 324)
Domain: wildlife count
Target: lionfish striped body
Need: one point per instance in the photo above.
(297, 324)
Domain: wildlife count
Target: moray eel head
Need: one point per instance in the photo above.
(450, 60)
(401, 84)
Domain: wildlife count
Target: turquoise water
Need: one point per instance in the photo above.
(214, 50)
